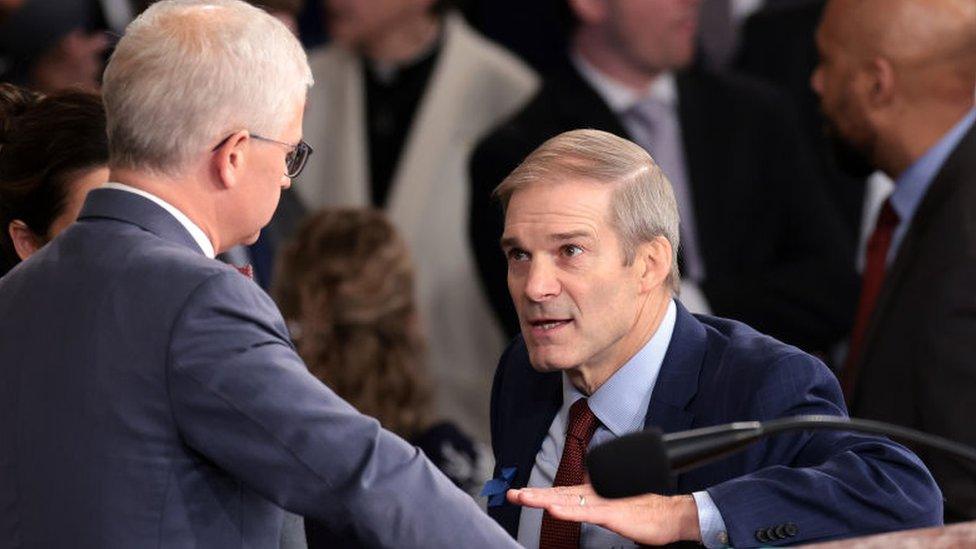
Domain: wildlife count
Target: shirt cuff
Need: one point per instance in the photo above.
(710, 522)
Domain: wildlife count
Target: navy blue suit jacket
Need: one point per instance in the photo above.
(150, 397)
(828, 484)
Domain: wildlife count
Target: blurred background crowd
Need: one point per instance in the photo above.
(384, 255)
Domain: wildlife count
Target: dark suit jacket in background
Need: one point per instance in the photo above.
(918, 363)
(829, 484)
(150, 397)
(776, 254)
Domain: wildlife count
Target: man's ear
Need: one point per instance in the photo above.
(25, 241)
(654, 260)
(881, 83)
(230, 159)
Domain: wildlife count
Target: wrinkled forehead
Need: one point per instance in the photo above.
(560, 206)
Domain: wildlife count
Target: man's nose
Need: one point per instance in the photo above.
(541, 283)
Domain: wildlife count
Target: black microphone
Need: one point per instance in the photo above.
(646, 462)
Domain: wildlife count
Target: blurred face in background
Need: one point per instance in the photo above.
(839, 83)
(651, 35)
(357, 23)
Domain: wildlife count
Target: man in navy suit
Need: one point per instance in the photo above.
(149, 395)
(591, 233)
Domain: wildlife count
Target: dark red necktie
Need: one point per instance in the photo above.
(561, 534)
(873, 279)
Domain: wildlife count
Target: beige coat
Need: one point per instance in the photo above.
(474, 86)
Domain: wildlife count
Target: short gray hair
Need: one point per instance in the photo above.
(643, 205)
(187, 72)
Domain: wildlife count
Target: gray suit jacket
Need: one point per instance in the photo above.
(149, 397)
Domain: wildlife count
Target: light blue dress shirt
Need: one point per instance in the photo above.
(911, 186)
(621, 406)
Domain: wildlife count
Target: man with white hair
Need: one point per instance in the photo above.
(149, 395)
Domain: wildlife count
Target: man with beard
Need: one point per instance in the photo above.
(896, 78)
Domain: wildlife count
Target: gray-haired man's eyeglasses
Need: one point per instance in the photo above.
(295, 158)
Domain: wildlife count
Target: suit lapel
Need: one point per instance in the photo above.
(335, 125)
(949, 179)
(439, 126)
(538, 401)
(351, 181)
(677, 383)
(534, 425)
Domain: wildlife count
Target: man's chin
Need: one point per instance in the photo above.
(848, 158)
(545, 361)
(251, 239)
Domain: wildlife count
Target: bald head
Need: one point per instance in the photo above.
(930, 44)
(895, 75)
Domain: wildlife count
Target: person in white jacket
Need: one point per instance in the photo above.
(404, 92)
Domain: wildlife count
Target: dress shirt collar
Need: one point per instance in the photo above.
(621, 403)
(911, 186)
(621, 98)
(195, 231)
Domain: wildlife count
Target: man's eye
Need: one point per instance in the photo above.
(572, 250)
(517, 255)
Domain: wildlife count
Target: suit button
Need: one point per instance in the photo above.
(791, 529)
(761, 536)
(781, 531)
(771, 534)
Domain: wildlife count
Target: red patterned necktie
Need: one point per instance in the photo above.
(561, 534)
(873, 279)
(246, 270)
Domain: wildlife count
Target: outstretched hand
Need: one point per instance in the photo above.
(649, 519)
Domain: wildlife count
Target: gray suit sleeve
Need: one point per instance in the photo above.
(242, 397)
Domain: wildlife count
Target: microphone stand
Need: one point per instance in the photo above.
(647, 461)
(687, 450)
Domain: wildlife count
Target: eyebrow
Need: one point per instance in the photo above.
(571, 235)
(512, 242)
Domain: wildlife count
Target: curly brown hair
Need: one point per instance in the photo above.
(345, 286)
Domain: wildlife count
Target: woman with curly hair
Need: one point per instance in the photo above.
(346, 289)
